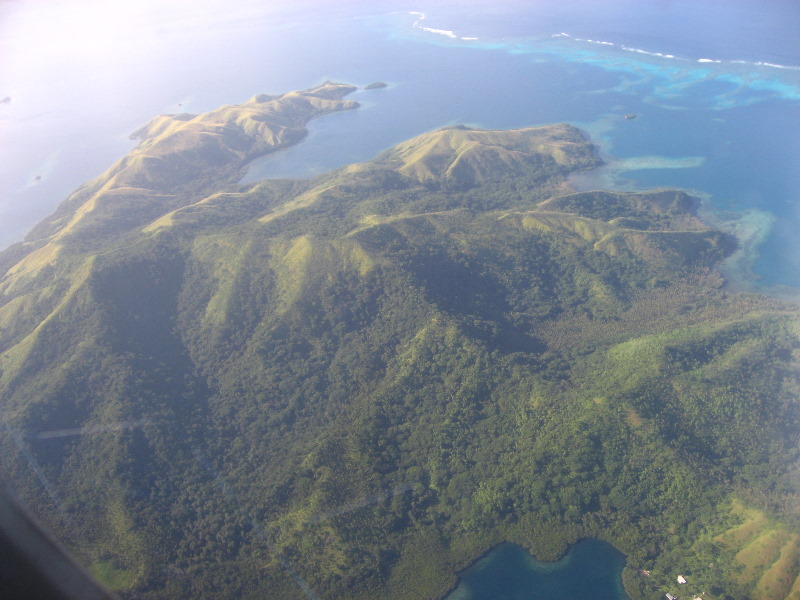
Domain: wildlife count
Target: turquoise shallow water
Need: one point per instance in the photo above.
(727, 130)
(590, 570)
(715, 87)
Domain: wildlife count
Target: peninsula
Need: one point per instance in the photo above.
(353, 386)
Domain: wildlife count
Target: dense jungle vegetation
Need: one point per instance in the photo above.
(354, 386)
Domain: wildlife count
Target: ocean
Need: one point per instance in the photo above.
(714, 87)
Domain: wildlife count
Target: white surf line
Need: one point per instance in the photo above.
(622, 46)
(87, 430)
(777, 66)
(756, 63)
(452, 35)
(256, 526)
(649, 53)
(445, 32)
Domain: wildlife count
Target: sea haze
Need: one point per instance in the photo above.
(714, 87)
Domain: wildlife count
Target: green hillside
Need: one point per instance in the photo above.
(354, 386)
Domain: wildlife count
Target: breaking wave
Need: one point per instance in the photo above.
(448, 33)
(673, 56)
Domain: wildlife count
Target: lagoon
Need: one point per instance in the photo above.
(591, 569)
(715, 87)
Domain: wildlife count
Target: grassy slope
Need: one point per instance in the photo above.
(362, 383)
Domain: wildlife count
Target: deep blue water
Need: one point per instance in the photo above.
(591, 569)
(715, 86)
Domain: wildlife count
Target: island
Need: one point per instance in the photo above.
(354, 386)
(377, 85)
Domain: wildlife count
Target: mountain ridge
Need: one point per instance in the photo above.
(360, 383)
(179, 150)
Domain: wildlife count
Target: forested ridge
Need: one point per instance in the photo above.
(356, 385)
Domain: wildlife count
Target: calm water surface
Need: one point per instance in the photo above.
(715, 87)
(590, 570)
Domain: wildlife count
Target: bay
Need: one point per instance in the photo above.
(715, 88)
(591, 569)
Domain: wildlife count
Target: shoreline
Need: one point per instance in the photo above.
(750, 227)
(541, 567)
